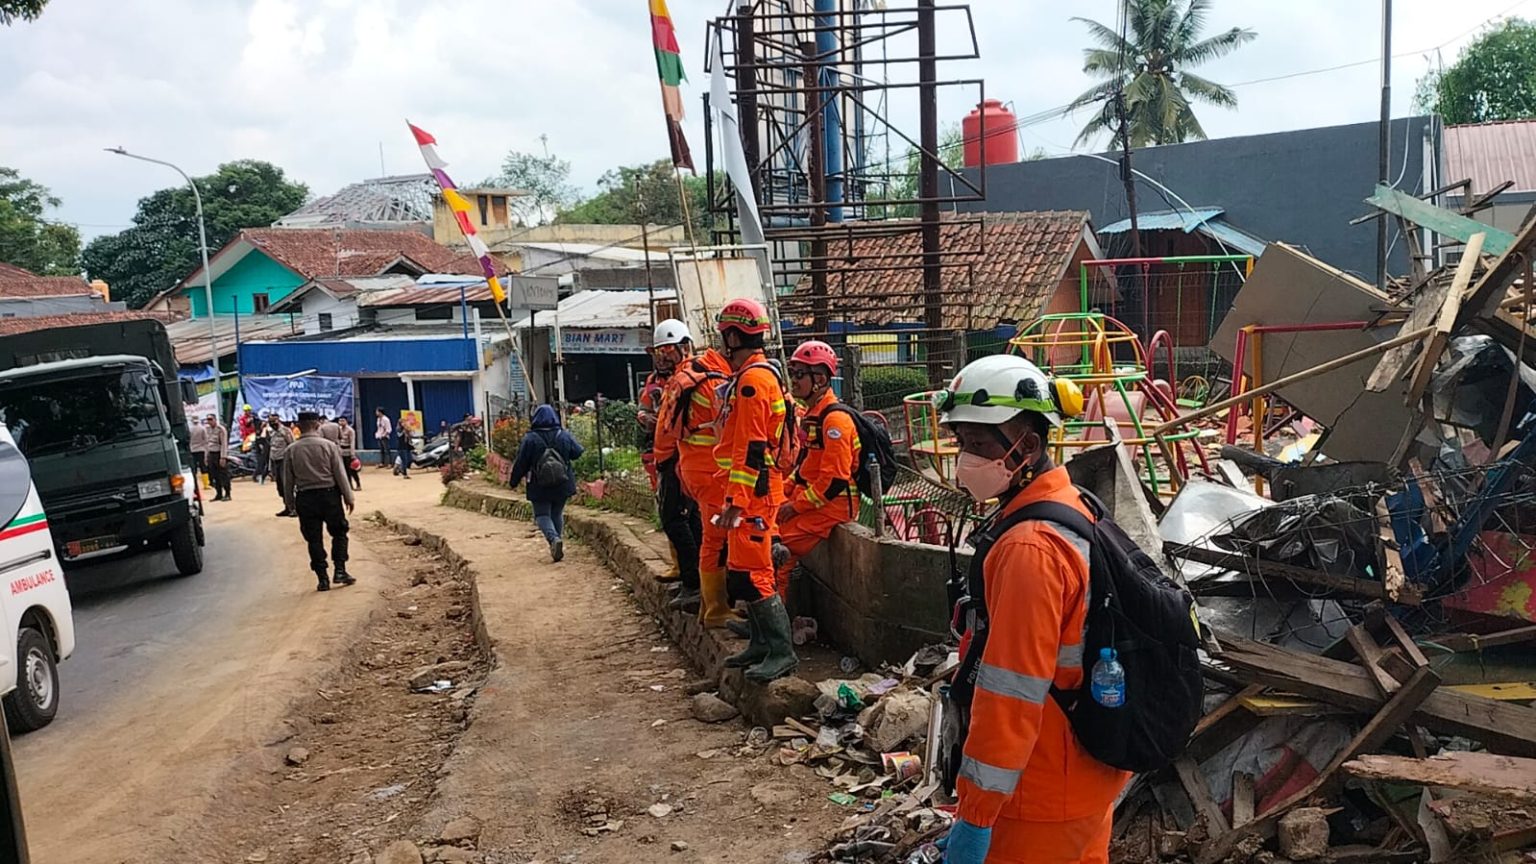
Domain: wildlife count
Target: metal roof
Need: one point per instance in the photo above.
(1491, 153)
(382, 200)
(602, 309)
(1205, 220)
(189, 337)
(600, 251)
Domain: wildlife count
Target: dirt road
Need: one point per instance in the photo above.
(175, 679)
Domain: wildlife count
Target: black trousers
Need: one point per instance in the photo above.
(681, 522)
(282, 483)
(352, 475)
(218, 474)
(320, 512)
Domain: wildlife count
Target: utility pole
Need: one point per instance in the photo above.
(1126, 176)
(1384, 139)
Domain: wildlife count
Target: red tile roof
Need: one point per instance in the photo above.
(319, 252)
(1491, 153)
(12, 326)
(11, 271)
(41, 286)
(998, 268)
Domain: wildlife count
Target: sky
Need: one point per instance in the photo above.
(322, 88)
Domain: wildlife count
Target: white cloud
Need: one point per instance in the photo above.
(318, 87)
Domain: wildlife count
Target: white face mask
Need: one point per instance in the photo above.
(982, 478)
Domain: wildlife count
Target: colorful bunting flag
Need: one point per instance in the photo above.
(460, 206)
(669, 67)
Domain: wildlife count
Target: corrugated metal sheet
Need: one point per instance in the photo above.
(359, 357)
(1491, 153)
(1205, 220)
(602, 309)
(189, 337)
(444, 400)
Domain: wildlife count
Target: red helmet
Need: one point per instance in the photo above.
(816, 353)
(745, 315)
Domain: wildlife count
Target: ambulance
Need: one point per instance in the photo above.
(34, 605)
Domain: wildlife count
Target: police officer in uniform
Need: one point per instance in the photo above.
(316, 488)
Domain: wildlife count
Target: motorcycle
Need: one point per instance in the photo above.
(435, 452)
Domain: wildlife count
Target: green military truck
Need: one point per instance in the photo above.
(99, 413)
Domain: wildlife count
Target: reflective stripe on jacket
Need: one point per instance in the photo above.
(1021, 758)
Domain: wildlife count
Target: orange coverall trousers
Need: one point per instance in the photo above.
(802, 532)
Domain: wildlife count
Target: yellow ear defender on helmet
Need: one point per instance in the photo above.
(1067, 397)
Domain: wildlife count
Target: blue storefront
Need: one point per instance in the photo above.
(440, 377)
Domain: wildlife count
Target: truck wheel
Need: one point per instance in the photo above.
(202, 538)
(186, 550)
(35, 701)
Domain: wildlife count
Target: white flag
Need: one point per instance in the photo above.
(735, 158)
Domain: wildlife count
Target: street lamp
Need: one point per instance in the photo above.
(202, 234)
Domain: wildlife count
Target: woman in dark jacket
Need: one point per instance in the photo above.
(548, 500)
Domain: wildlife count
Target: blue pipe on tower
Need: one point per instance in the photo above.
(831, 122)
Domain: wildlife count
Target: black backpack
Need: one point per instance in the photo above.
(1146, 617)
(550, 469)
(874, 447)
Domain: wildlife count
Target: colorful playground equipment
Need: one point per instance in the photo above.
(1108, 362)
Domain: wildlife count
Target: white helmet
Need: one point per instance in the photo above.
(993, 390)
(670, 332)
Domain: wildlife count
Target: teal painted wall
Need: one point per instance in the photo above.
(253, 274)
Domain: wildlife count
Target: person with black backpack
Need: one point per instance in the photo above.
(821, 493)
(1028, 789)
(544, 459)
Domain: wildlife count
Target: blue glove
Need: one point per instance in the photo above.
(966, 844)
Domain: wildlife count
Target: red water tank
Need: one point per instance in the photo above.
(992, 119)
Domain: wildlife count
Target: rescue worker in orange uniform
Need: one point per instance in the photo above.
(1028, 790)
(679, 515)
(822, 494)
(685, 440)
(755, 450)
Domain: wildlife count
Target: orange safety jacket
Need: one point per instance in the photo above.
(829, 457)
(750, 440)
(1021, 759)
(686, 424)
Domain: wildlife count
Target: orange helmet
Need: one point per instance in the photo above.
(745, 315)
(816, 353)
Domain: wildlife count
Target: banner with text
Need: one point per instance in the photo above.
(323, 394)
(603, 340)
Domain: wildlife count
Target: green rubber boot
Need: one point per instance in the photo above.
(757, 648)
(773, 625)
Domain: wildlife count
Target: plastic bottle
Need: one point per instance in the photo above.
(1108, 680)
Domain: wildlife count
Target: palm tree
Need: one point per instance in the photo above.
(1151, 66)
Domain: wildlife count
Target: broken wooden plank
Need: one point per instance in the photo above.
(1483, 773)
(1501, 726)
(1462, 642)
(1408, 595)
(1485, 296)
(1242, 799)
(1402, 338)
(1438, 219)
(1200, 794)
(1394, 579)
(1370, 655)
(1371, 736)
(1222, 725)
(1437, 342)
(1290, 706)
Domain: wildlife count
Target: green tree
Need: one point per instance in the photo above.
(27, 239)
(1151, 66)
(1494, 78)
(25, 10)
(546, 179)
(161, 247)
(642, 193)
(903, 185)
